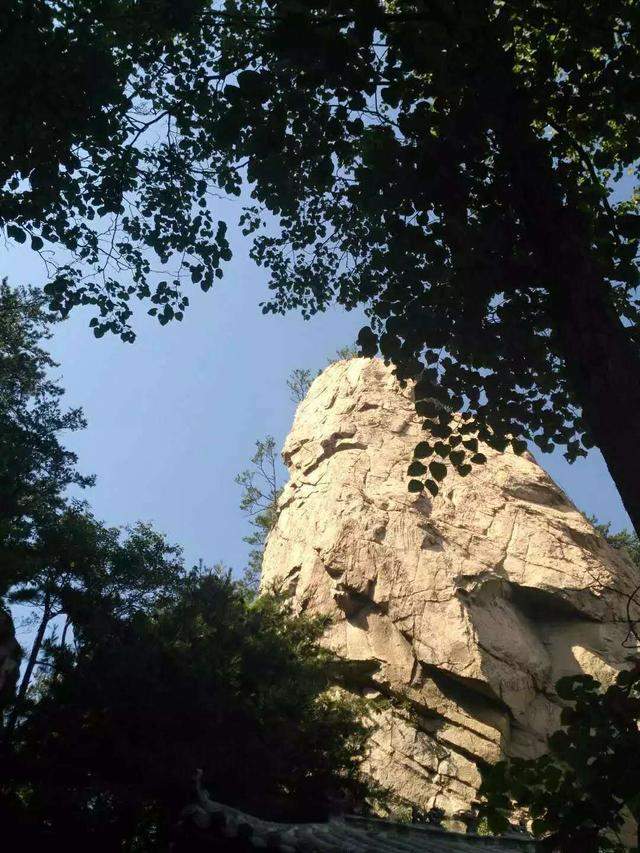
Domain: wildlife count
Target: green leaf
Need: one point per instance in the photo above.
(426, 408)
(36, 243)
(16, 233)
(479, 458)
(569, 686)
(368, 342)
(422, 449)
(253, 84)
(416, 485)
(416, 469)
(464, 470)
(629, 225)
(441, 431)
(431, 487)
(498, 823)
(626, 678)
(457, 457)
(438, 470)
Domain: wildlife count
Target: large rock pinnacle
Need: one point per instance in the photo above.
(458, 613)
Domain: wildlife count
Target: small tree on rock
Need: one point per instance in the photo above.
(259, 500)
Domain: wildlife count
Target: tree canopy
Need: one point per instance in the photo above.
(462, 169)
(35, 468)
(139, 671)
(77, 569)
(210, 677)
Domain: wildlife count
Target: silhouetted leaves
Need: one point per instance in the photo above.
(577, 793)
(35, 469)
(208, 678)
(438, 470)
(474, 206)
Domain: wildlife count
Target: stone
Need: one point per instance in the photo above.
(457, 614)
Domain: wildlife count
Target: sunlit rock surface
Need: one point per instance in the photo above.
(457, 614)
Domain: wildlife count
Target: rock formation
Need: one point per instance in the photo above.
(10, 654)
(455, 614)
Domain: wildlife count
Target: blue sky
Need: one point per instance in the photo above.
(175, 416)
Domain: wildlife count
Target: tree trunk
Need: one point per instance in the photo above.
(604, 366)
(26, 678)
(603, 363)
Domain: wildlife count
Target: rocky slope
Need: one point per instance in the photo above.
(456, 614)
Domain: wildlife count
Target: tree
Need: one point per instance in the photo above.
(469, 203)
(35, 469)
(259, 500)
(624, 540)
(298, 383)
(78, 570)
(211, 678)
(629, 542)
(261, 488)
(578, 792)
(79, 156)
(455, 167)
(300, 380)
(55, 555)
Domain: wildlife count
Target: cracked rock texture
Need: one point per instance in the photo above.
(455, 614)
(10, 654)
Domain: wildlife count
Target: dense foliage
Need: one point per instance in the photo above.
(210, 678)
(35, 468)
(79, 567)
(140, 672)
(581, 792)
(623, 540)
(56, 557)
(463, 169)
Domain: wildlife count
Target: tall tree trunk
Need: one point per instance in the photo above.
(604, 366)
(602, 360)
(28, 673)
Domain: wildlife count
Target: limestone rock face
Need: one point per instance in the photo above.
(455, 614)
(10, 655)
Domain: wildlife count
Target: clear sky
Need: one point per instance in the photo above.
(175, 416)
